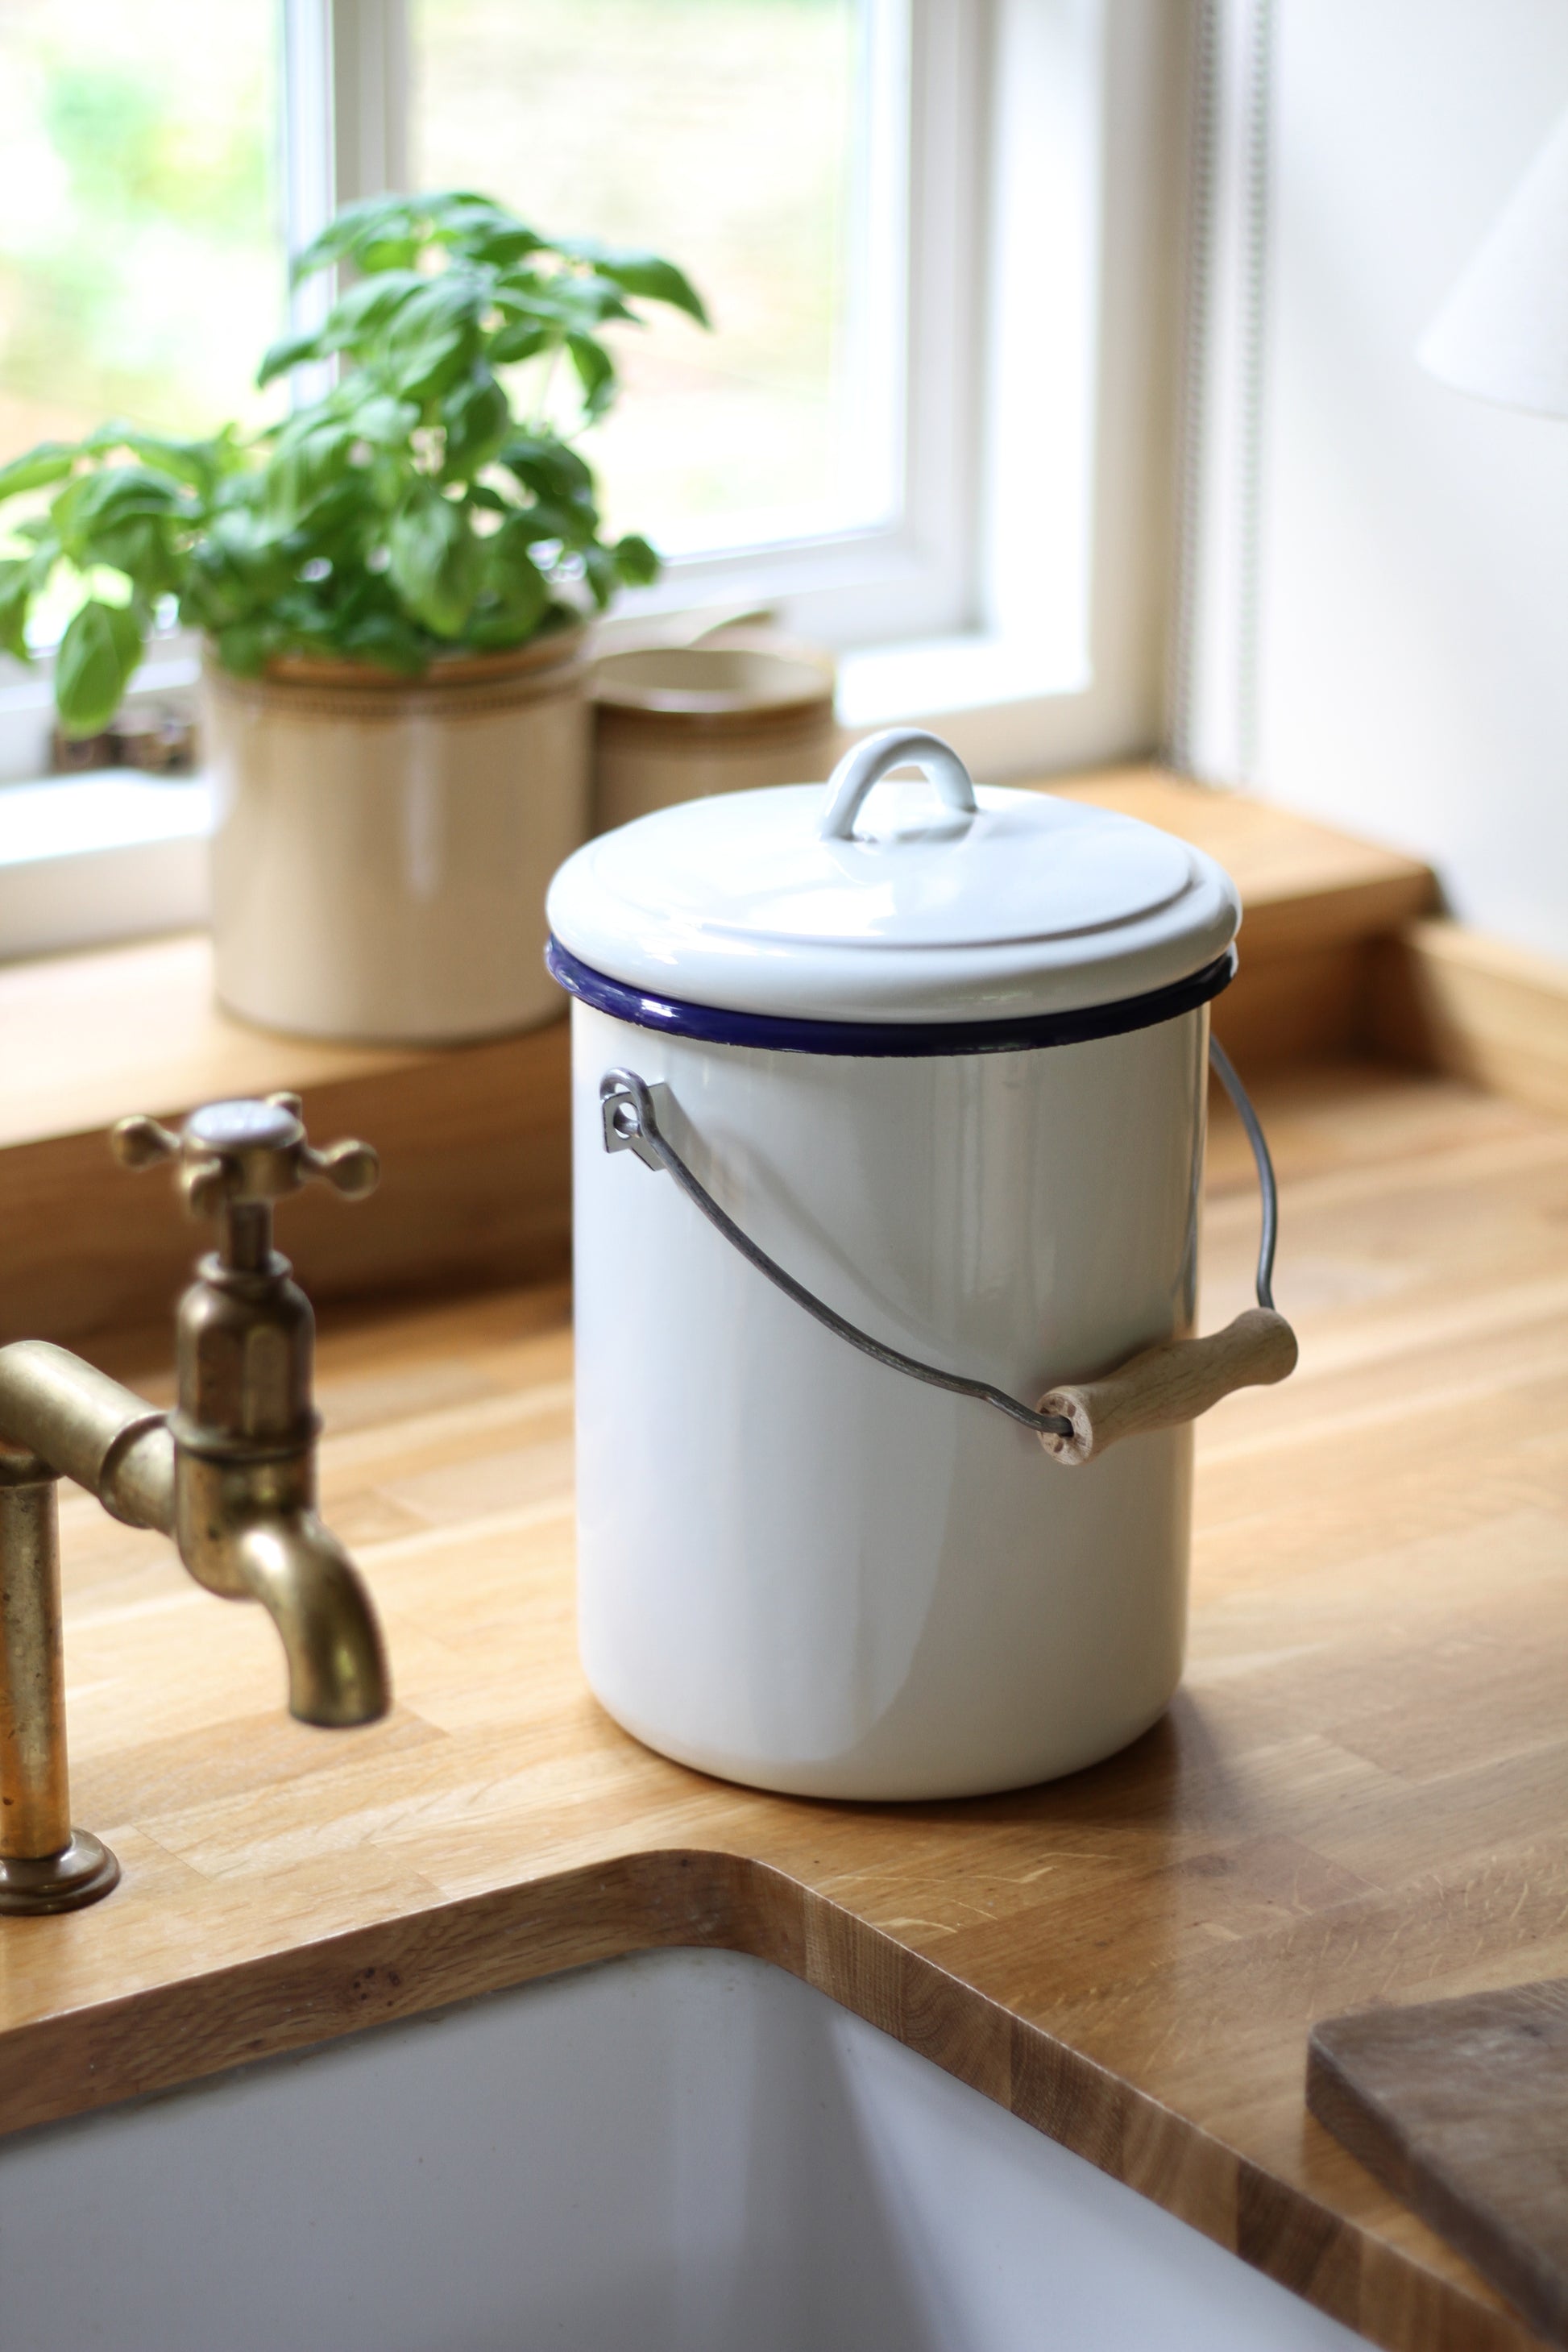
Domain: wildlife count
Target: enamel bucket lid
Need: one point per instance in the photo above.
(879, 900)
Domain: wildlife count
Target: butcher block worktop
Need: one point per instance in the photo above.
(1358, 1796)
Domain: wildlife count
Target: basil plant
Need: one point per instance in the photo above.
(427, 501)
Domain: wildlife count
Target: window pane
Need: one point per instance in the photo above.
(747, 140)
(141, 268)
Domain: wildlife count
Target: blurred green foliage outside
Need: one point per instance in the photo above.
(141, 266)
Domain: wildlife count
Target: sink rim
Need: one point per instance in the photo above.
(294, 1999)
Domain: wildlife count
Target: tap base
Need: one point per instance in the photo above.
(82, 1872)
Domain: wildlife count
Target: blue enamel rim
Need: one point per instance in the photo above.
(716, 1026)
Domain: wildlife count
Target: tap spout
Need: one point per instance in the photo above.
(246, 1528)
(305, 1580)
(243, 1528)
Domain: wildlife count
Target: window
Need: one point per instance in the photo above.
(746, 139)
(141, 242)
(804, 160)
(939, 238)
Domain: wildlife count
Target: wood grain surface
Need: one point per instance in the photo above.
(1357, 1797)
(1496, 1015)
(1461, 2106)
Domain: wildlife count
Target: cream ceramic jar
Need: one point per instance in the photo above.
(729, 714)
(382, 844)
(940, 1055)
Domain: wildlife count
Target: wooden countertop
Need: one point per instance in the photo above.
(1358, 1795)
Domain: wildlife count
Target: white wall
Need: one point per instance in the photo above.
(1413, 565)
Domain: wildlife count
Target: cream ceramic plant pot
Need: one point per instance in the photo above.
(382, 845)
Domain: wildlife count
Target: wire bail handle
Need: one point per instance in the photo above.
(1173, 1383)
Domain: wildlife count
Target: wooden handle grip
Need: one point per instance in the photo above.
(1171, 1384)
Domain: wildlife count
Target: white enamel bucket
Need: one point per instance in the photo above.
(803, 1565)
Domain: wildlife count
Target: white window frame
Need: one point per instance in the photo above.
(1020, 604)
(930, 99)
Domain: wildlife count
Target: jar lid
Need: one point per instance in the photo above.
(744, 678)
(879, 901)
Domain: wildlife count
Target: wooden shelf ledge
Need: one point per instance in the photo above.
(1451, 999)
(474, 1139)
(474, 1142)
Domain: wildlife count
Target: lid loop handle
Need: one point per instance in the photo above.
(868, 762)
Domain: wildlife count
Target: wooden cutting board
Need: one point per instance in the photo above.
(1461, 2107)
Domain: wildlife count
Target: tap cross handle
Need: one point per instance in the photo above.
(246, 1153)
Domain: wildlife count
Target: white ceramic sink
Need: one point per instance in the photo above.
(682, 2152)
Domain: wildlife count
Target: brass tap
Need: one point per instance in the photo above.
(230, 1475)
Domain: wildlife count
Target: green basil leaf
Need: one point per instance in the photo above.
(373, 222)
(124, 516)
(309, 458)
(435, 338)
(546, 519)
(141, 546)
(388, 640)
(237, 568)
(501, 246)
(595, 373)
(289, 351)
(240, 534)
(640, 273)
(384, 421)
(16, 596)
(51, 461)
(479, 229)
(603, 577)
(561, 300)
(114, 492)
(547, 466)
(512, 578)
(335, 519)
(636, 560)
(196, 463)
(98, 654)
(303, 614)
(388, 252)
(424, 369)
(520, 339)
(368, 307)
(386, 478)
(451, 208)
(247, 646)
(477, 415)
(435, 561)
(440, 303)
